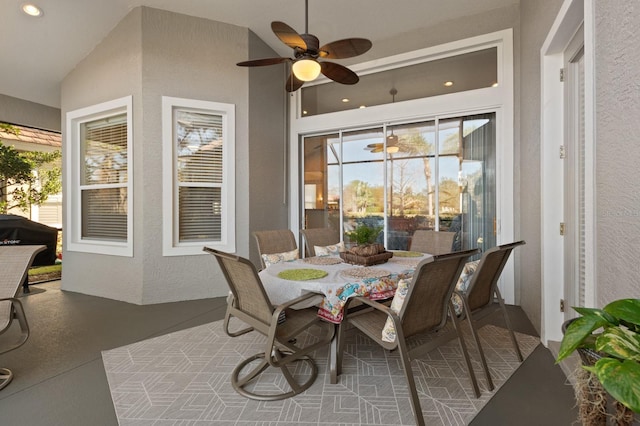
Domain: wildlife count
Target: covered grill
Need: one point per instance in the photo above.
(18, 230)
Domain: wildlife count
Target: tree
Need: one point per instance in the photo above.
(26, 178)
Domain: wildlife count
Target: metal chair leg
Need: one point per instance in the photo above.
(508, 324)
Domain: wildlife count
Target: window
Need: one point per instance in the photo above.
(198, 186)
(99, 180)
(437, 174)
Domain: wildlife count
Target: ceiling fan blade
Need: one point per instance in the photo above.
(288, 35)
(293, 83)
(339, 73)
(262, 62)
(346, 48)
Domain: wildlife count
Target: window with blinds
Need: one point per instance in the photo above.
(199, 198)
(99, 179)
(103, 178)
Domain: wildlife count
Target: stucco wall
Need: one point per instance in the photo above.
(193, 58)
(111, 71)
(267, 193)
(31, 114)
(536, 20)
(617, 149)
(150, 54)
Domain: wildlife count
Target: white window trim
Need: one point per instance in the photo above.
(492, 99)
(170, 244)
(73, 228)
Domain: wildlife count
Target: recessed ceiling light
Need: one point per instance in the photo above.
(362, 106)
(304, 112)
(32, 10)
(448, 83)
(494, 84)
(345, 100)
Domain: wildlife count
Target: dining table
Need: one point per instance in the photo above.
(335, 281)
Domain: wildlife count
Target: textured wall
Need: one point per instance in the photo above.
(150, 54)
(193, 58)
(110, 71)
(266, 167)
(536, 20)
(30, 114)
(617, 149)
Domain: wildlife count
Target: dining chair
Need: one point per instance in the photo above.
(15, 261)
(318, 237)
(427, 308)
(250, 303)
(432, 242)
(482, 298)
(274, 242)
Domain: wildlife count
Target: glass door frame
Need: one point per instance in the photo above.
(493, 99)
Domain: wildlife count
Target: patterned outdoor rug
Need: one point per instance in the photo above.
(182, 378)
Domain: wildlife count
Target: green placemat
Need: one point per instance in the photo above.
(302, 274)
(407, 254)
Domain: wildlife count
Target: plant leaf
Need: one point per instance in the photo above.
(596, 312)
(576, 334)
(620, 343)
(625, 309)
(620, 379)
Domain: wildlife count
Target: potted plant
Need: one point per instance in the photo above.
(364, 234)
(367, 251)
(610, 338)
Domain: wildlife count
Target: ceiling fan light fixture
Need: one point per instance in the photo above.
(306, 69)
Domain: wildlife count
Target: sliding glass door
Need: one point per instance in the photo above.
(436, 174)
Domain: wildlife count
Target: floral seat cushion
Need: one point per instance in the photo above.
(389, 331)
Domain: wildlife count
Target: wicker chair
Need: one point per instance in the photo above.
(249, 303)
(15, 261)
(432, 242)
(276, 241)
(482, 298)
(318, 237)
(426, 309)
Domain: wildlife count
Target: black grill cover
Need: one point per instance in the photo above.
(18, 230)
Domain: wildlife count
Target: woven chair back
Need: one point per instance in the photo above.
(426, 305)
(432, 242)
(15, 261)
(245, 285)
(319, 237)
(485, 279)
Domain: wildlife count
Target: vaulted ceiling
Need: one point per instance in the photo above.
(37, 53)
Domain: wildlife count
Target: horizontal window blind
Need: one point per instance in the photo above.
(199, 162)
(104, 162)
(104, 150)
(199, 150)
(200, 214)
(104, 214)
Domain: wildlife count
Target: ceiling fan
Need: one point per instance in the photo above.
(306, 51)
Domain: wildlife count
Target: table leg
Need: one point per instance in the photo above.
(333, 359)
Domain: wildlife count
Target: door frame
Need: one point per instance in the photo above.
(571, 15)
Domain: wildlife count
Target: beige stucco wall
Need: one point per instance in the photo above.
(617, 140)
(150, 54)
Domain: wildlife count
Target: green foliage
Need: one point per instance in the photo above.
(19, 185)
(614, 332)
(364, 234)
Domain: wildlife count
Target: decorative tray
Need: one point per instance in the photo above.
(375, 259)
